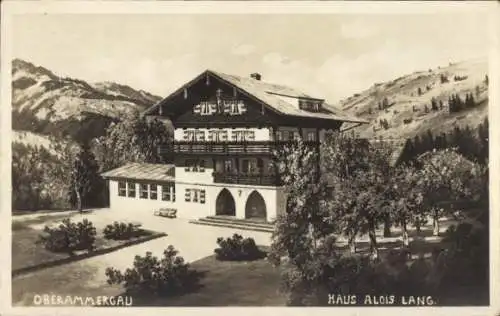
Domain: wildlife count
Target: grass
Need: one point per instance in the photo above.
(223, 283)
(26, 252)
(228, 283)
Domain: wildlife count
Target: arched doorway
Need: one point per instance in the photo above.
(255, 207)
(224, 205)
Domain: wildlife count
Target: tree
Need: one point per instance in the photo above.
(469, 101)
(385, 103)
(419, 91)
(77, 172)
(434, 105)
(133, 139)
(358, 174)
(486, 79)
(443, 175)
(441, 105)
(30, 168)
(84, 176)
(406, 207)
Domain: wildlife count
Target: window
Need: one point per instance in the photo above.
(165, 193)
(194, 166)
(168, 192)
(131, 189)
(246, 166)
(279, 135)
(205, 108)
(195, 195)
(153, 191)
(122, 188)
(228, 166)
(143, 191)
(200, 135)
(311, 136)
(235, 108)
(286, 135)
(202, 196)
(223, 136)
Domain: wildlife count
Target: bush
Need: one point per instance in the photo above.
(122, 231)
(237, 248)
(149, 275)
(467, 257)
(69, 236)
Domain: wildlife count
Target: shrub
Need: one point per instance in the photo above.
(237, 248)
(121, 231)
(69, 236)
(149, 275)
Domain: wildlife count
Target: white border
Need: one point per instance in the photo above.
(10, 8)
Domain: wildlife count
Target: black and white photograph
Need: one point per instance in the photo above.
(322, 157)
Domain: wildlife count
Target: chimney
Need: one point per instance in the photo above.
(256, 76)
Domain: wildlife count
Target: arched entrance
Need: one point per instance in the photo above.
(256, 206)
(224, 204)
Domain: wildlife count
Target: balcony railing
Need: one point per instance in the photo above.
(229, 148)
(246, 178)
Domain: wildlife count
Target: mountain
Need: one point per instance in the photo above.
(45, 103)
(406, 98)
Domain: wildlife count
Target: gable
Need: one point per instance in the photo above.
(249, 96)
(209, 100)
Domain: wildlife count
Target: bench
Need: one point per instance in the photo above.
(166, 212)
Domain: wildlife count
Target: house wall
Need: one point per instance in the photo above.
(193, 210)
(136, 204)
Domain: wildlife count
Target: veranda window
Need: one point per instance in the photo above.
(131, 189)
(165, 192)
(122, 188)
(153, 191)
(143, 191)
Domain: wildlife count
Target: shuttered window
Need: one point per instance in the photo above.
(187, 195)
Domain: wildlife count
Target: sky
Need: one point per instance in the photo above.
(330, 56)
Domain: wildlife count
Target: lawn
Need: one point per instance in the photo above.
(253, 283)
(26, 252)
(228, 283)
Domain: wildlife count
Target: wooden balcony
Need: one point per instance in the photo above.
(229, 148)
(246, 178)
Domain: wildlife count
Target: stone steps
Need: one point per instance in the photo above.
(242, 224)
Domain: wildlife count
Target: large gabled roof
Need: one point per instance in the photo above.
(269, 93)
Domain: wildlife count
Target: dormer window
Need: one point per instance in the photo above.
(309, 105)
